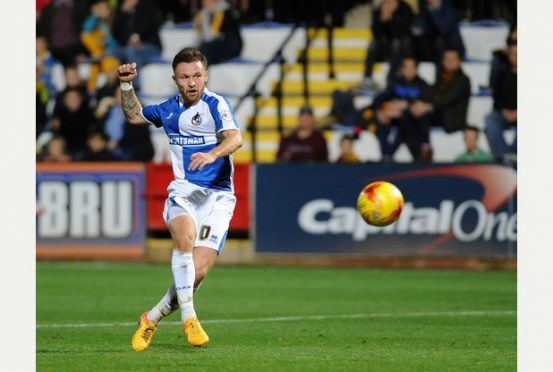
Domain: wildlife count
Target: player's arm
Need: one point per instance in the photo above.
(129, 101)
(232, 141)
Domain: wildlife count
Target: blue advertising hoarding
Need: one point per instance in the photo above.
(90, 208)
(453, 210)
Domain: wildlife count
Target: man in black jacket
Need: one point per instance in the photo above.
(450, 96)
(436, 28)
(504, 115)
(60, 22)
(136, 28)
(393, 108)
(392, 40)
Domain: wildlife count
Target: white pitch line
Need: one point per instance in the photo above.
(293, 318)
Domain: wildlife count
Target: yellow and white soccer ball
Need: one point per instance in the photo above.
(380, 203)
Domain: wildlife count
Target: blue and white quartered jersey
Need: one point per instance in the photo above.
(192, 129)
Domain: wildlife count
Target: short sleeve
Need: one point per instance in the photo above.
(152, 114)
(224, 118)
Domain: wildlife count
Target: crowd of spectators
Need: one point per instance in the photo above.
(407, 108)
(84, 121)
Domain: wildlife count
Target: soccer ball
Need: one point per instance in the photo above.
(380, 203)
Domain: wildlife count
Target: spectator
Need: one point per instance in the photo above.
(347, 155)
(97, 149)
(435, 30)
(97, 38)
(306, 143)
(55, 151)
(500, 57)
(44, 64)
(60, 23)
(473, 154)
(45, 89)
(178, 11)
(450, 96)
(126, 141)
(109, 67)
(218, 26)
(395, 109)
(72, 82)
(391, 38)
(41, 101)
(136, 29)
(73, 120)
(504, 115)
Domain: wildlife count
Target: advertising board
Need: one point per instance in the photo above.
(450, 210)
(84, 209)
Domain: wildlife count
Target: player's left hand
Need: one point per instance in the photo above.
(200, 160)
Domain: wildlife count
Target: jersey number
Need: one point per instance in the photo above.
(204, 232)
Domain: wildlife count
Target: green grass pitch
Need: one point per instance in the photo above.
(279, 319)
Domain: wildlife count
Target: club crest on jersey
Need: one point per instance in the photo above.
(225, 115)
(196, 119)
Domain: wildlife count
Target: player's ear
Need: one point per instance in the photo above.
(206, 75)
(174, 79)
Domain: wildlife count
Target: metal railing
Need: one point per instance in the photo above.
(277, 92)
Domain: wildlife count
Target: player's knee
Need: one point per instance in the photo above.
(184, 242)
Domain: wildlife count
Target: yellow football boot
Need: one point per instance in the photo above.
(195, 333)
(143, 335)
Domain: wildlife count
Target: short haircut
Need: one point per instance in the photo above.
(188, 55)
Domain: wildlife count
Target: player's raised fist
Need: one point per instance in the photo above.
(127, 72)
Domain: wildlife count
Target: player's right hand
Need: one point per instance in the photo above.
(127, 72)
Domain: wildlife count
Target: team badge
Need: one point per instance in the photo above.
(196, 119)
(225, 115)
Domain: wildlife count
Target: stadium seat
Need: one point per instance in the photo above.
(155, 80)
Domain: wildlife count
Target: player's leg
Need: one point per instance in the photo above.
(204, 259)
(183, 233)
(166, 306)
(183, 230)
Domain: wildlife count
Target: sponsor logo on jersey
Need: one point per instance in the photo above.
(177, 139)
(196, 120)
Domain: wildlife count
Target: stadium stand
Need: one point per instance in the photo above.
(261, 41)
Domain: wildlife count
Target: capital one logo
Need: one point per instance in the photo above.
(321, 216)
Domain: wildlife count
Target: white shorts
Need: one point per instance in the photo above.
(210, 209)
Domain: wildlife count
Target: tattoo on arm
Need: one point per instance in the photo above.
(130, 104)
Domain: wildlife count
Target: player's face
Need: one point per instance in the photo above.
(190, 79)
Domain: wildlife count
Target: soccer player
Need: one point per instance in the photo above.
(203, 134)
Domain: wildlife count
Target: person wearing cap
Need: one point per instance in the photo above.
(306, 143)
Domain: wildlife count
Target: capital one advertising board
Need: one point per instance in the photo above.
(90, 205)
(450, 210)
